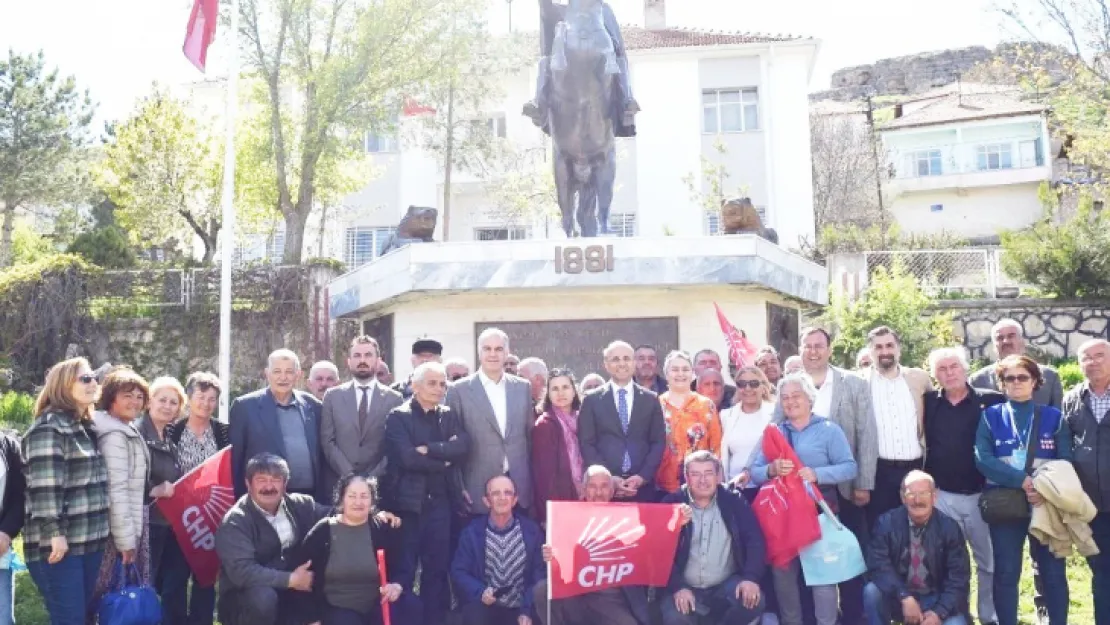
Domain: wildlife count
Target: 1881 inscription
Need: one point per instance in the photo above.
(578, 344)
(592, 259)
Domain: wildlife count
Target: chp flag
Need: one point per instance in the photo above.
(741, 351)
(200, 500)
(596, 546)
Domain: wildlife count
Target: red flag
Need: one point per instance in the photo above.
(412, 108)
(740, 350)
(605, 545)
(200, 501)
(201, 31)
(783, 507)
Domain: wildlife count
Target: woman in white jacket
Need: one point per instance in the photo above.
(742, 427)
(124, 396)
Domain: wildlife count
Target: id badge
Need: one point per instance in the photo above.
(1017, 460)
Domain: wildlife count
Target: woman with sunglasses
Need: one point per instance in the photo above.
(1002, 447)
(742, 428)
(691, 421)
(66, 528)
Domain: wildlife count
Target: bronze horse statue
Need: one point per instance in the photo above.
(584, 104)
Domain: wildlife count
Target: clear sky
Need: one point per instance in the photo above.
(118, 49)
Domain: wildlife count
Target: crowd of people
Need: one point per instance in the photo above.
(448, 472)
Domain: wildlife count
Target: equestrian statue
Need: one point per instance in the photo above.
(583, 100)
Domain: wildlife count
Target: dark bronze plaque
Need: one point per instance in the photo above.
(782, 330)
(381, 328)
(578, 344)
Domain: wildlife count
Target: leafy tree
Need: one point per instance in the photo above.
(710, 187)
(844, 171)
(163, 172)
(523, 188)
(1070, 259)
(29, 246)
(331, 70)
(44, 122)
(893, 299)
(104, 246)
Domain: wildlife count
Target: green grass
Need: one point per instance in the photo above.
(29, 609)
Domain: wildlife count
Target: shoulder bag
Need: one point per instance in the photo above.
(1006, 505)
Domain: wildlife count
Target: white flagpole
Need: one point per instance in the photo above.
(228, 220)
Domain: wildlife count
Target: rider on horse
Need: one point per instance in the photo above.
(625, 108)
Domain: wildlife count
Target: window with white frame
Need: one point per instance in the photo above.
(622, 224)
(275, 245)
(925, 163)
(994, 156)
(377, 143)
(500, 234)
(730, 110)
(714, 226)
(496, 125)
(364, 244)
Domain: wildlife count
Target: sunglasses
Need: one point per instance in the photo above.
(457, 376)
(87, 378)
(1021, 377)
(752, 384)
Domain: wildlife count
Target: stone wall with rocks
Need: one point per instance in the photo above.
(1056, 328)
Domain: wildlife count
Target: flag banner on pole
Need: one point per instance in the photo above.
(741, 351)
(413, 108)
(201, 31)
(596, 546)
(200, 501)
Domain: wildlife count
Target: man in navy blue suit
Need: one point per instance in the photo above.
(280, 420)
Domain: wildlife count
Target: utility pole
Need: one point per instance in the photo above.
(878, 166)
(510, 3)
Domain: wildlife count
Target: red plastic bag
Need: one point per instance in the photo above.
(784, 508)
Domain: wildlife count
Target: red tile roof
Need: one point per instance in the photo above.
(639, 38)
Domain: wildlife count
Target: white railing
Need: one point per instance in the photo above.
(972, 272)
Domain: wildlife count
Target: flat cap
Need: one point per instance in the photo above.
(427, 346)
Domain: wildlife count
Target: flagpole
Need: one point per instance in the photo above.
(228, 219)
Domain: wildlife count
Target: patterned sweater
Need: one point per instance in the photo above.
(67, 487)
(506, 559)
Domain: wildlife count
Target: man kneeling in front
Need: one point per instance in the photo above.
(720, 556)
(499, 562)
(919, 567)
(254, 543)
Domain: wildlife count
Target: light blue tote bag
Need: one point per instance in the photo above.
(835, 557)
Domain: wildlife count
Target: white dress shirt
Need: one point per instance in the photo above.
(895, 417)
(369, 394)
(823, 406)
(281, 523)
(630, 387)
(495, 391)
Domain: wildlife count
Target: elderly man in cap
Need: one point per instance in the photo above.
(423, 350)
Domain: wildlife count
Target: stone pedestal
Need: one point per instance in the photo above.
(565, 300)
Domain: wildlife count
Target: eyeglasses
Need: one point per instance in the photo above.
(910, 494)
(1021, 377)
(753, 384)
(87, 378)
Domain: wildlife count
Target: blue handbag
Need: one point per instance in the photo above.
(836, 556)
(128, 602)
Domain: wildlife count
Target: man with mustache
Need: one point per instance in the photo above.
(897, 398)
(352, 424)
(919, 570)
(322, 376)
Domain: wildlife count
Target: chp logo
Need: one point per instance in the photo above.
(605, 543)
(200, 522)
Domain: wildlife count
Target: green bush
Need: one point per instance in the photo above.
(892, 299)
(17, 410)
(1071, 259)
(1070, 374)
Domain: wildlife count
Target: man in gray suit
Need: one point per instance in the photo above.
(352, 425)
(1009, 340)
(845, 399)
(496, 411)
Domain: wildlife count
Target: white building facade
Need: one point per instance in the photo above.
(969, 164)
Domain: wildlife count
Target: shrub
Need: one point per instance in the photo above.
(1070, 374)
(1071, 259)
(892, 299)
(17, 410)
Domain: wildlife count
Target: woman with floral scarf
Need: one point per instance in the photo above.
(692, 422)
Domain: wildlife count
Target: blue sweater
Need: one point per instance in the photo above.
(821, 446)
(997, 439)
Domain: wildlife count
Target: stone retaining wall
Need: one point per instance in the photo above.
(1056, 328)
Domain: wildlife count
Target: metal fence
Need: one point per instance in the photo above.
(971, 272)
(197, 287)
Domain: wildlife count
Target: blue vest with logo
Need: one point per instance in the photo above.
(1007, 437)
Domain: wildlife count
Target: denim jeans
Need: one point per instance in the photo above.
(170, 574)
(67, 587)
(717, 605)
(1100, 567)
(881, 609)
(1008, 540)
(7, 597)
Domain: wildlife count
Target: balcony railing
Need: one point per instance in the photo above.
(995, 155)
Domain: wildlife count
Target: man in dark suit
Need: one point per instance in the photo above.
(352, 425)
(496, 410)
(283, 421)
(621, 427)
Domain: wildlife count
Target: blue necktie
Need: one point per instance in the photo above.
(622, 411)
